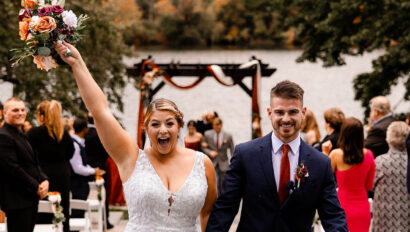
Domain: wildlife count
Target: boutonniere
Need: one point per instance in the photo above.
(301, 173)
(224, 141)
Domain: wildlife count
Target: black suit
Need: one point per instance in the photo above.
(96, 157)
(21, 176)
(376, 138)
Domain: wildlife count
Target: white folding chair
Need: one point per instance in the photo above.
(80, 224)
(47, 207)
(98, 205)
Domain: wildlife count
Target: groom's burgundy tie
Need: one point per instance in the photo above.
(284, 174)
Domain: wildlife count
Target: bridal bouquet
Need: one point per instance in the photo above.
(41, 24)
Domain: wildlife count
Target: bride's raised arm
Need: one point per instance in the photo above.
(118, 143)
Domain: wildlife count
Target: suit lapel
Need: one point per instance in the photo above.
(267, 165)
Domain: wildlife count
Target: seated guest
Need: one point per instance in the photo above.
(354, 168)
(193, 138)
(81, 170)
(334, 118)
(391, 202)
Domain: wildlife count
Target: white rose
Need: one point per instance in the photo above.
(33, 22)
(99, 182)
(70, 18)
(54, 198)
(41, 4)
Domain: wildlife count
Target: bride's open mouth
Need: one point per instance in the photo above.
(163, 141)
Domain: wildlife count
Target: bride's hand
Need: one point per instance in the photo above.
(68, 53)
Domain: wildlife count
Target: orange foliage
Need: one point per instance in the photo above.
(357, 20)
(219, 4)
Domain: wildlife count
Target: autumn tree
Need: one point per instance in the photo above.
(328, 30)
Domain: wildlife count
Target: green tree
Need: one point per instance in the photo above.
(102, 48)
(330, 29)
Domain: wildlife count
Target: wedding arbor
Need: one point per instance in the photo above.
(145, 71)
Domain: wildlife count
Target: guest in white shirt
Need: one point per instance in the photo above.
(82, 172)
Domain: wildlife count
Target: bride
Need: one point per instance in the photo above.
(166, 186)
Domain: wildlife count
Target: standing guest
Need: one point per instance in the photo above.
(23, 182)
(68, 123)
(216, 145)
(379, 119)
(354, 168)
(263, 175)
(334, 118)
(97, 158)
(311, 130)
(193, 138)
(55, 148)
(27, 126)
(1, 114)
(408, 162)
(205, 123)
(167, 186)
(81, 170)
(391, 202)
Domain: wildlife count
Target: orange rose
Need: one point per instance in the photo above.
(30, 3)
(45, 24)
(45, 63)
(23, 28)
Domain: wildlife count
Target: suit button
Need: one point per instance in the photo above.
(259, 195)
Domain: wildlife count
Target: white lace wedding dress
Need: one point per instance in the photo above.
(151, 207)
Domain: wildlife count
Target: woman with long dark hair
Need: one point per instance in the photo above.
(55, 148)
(354, 167)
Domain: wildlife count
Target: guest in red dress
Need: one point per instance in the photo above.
(354, 167)
(193, 138)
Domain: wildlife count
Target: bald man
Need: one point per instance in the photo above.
(22, 181)
(379, 119)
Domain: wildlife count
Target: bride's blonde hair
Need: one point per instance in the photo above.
(163, 104)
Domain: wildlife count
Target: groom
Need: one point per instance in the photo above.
(280, 179)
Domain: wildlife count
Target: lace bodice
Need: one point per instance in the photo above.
(152, 207)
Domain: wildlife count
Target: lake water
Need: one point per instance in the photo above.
(324, 88)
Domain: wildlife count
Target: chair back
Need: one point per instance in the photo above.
(80, 205)
(45, 207)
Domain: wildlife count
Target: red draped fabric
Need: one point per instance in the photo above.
(116, 194)
(168, 80)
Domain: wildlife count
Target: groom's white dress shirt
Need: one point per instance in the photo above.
(277, 156)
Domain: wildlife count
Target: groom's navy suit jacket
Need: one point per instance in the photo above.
(251, 178)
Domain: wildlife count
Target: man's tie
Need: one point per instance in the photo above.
(284, 174)
(217, 140)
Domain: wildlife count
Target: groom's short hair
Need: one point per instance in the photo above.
(288, 90)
